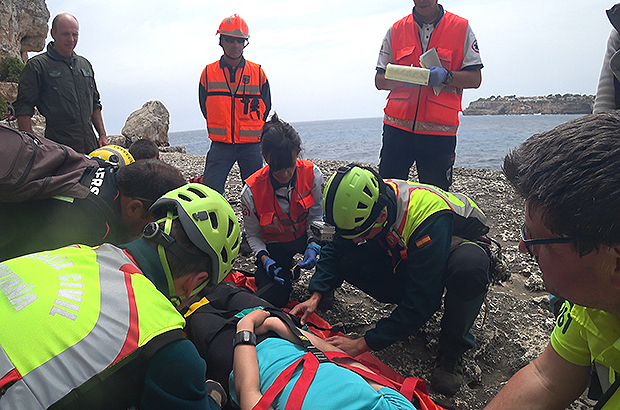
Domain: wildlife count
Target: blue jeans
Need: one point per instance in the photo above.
(433, 155)
(222, 156)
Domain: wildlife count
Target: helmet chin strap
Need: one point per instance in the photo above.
(165, 242)
(176, 300)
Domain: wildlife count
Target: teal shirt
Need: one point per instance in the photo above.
(341, 388)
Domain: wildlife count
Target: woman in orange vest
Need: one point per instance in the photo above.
(279, 203)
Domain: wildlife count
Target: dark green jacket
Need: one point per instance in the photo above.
(65, 92)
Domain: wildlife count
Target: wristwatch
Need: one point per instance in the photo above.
(244, 337)
(449, 78)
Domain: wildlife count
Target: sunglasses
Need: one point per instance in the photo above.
(547, 241)
(234, 39)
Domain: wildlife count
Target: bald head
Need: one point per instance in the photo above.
(65, 32)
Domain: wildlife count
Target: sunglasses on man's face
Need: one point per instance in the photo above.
(234, 40)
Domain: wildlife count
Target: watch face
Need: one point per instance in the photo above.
(245, 337)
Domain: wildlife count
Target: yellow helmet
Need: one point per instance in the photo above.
(113, 153)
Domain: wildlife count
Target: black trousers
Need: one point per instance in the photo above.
(432, 154)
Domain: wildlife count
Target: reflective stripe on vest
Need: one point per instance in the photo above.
(270, 215)
(235, 111)
(82, 310)
(416, 108)
(416, 203)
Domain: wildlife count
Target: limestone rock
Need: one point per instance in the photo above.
(119, 140)
(549, 104)
(38, 123)
(23, 27)
(8, 91)
(152, 121)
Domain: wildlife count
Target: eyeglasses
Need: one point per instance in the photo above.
(547, 241)
(234, 39)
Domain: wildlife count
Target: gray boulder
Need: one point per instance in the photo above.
(152, 121)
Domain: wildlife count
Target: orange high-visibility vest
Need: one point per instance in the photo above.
(277, 226)
(235, 111)
(417, 108)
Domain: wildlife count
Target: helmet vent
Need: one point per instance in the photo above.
(231, 227)
(359, 219)
(213, 218)
(367, 191)
(184, 197)
(197, 192)
(224, 255)
(361, 205)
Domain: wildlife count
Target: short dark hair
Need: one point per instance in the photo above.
(279, 142)
(571, 174)
(144, 148)
(179, 268)
(148, 180)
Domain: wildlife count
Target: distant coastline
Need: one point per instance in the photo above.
(550, 104)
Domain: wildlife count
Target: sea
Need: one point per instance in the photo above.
(482, 141)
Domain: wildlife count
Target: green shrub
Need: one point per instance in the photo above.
(3, 108)
(10, 68)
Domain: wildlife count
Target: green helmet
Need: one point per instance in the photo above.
(354, 198)
(207, 219)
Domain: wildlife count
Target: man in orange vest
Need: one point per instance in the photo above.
(235, 99)
(420, 126)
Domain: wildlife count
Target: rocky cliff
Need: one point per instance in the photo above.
(550, 104)
(23, 27)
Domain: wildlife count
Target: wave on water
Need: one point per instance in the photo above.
(482, 141)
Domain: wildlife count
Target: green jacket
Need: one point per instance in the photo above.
(65, 92)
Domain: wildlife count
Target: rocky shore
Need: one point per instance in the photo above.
(512, 328)
(549, 104)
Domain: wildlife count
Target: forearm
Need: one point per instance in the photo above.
(467, 78)
(548, 383)
(251, 223)
(24, 123)
(382, 83)
(97, 120)
(247, 377)
(326, 276)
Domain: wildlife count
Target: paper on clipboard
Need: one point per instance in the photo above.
(431, 59)
(412, 75)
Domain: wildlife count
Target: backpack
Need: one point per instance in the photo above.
(34, 167)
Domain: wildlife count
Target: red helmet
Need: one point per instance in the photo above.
(234, 26)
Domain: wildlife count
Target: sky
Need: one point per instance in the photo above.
(320, 55)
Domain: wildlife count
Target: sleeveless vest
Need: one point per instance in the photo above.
(417, 203)
(235, 111)
(277, 226)
(417, 108)
(70, 314)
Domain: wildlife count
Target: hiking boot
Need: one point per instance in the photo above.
(446, 377)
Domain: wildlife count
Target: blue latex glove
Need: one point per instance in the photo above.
(438, 76)
(273, 269)
(310, 256)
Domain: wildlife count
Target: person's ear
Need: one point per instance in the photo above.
(135, 209)
(382, 216)
(615, 275)
(193, 281)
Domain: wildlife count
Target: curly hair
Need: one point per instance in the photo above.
(280, 143)
(572, 175)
